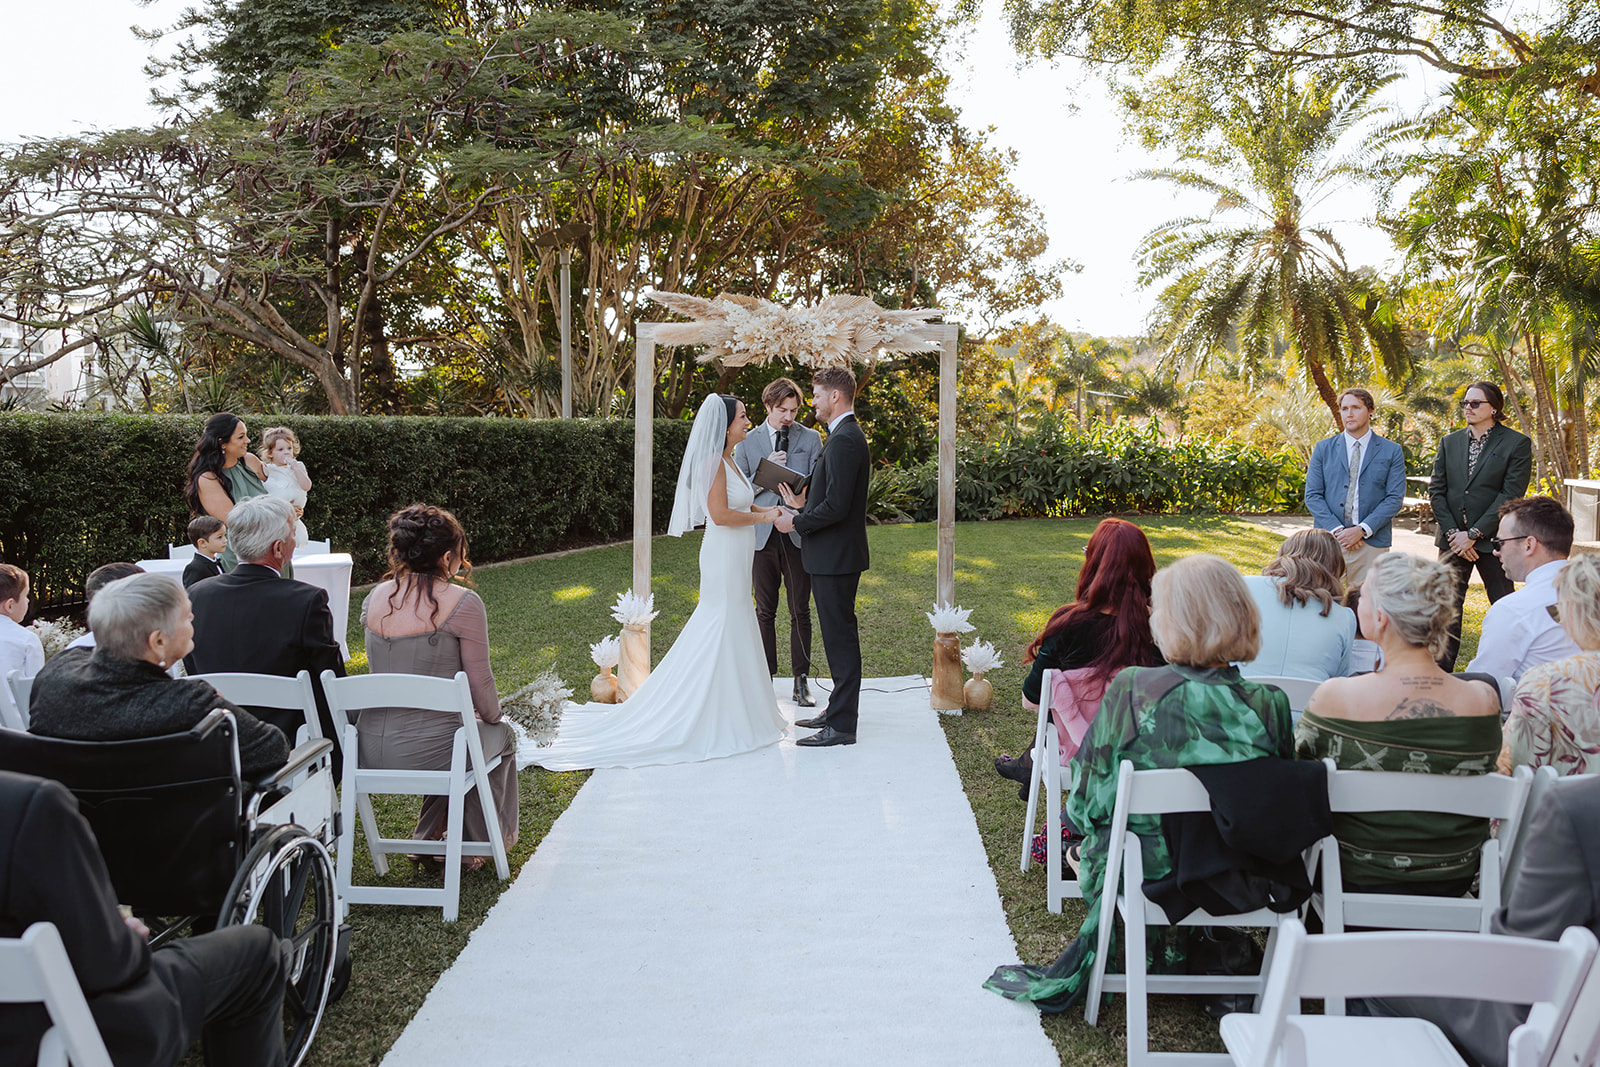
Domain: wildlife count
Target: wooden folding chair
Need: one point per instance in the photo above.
(1157, 792)
(466, 778)
(1516, 970)
(34, 969)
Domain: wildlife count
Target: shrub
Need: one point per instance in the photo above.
(1071, 470)
(79, 490)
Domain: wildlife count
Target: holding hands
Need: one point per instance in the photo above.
(1349, 537)
(1462, 544)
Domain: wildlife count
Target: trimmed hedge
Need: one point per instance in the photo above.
(79, 490)
(1065, 469)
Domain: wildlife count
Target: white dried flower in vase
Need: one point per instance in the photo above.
(949, 623)
(980, 658)
(634, 612)
(950, 620)
(606, 653)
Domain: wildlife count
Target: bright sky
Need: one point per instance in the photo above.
(1074, 162)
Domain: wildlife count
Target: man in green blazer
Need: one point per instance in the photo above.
(1477, 469)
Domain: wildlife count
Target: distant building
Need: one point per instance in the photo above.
(63, 381)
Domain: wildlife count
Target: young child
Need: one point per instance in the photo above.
(20, 649)
(209, 537)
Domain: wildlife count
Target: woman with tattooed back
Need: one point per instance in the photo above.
(1409, 716)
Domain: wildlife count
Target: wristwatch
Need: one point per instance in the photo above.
(1475, 534)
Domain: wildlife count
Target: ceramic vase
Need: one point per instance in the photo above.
(604, 687)
(978, 693)
(947, 672)
(634, 666)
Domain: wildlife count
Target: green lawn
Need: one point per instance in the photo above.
(544, 613)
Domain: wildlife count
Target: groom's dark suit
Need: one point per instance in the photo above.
(833, 548)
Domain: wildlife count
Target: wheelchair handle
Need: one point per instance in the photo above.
(301, 758)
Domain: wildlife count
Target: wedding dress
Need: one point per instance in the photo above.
(710, 696)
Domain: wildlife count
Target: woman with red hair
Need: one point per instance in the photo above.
(1105, 628)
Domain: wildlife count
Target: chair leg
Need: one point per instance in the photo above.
(1266, 966)
(491, 820)
(452, 834)
(1052, 831)
(1034, 781)
(1133, 965)
(369, 826)
(345, 860)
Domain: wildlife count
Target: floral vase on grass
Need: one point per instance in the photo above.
(980, 658)
(606, 653)
(634, 612)
(949, 623)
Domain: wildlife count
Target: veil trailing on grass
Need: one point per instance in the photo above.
(700, 460)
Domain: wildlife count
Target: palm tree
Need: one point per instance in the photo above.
(1272, 282)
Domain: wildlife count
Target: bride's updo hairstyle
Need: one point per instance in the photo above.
(420, 537)
(731, 405)
(1417, 595)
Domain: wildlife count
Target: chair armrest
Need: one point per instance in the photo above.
(301, 758)
(214, 718)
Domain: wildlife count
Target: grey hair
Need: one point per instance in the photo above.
(255, 523)
(1418, 596)
(125, 613)
(1578, 592)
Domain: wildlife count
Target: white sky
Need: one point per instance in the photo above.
(1073, 162)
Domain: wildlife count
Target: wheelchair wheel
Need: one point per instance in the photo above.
(286, 883)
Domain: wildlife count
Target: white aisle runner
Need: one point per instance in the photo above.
(788, 906)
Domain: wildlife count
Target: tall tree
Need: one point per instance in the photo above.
(1273, 282)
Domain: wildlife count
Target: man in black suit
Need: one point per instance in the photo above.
(1477, 470)
(148, 1006)
(253, 621)
(832, 524)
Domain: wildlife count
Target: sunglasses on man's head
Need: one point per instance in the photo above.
(1473, 403)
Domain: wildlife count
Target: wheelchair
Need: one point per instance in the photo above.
(191, 847)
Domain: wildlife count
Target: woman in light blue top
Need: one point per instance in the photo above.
(1305, 631)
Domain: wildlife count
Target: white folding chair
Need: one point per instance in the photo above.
(313, 548)
(1157, 793)
(1047, 773)
(1513, 842)
(1578, 1043)
(273, 691)
(1298, 690)
(1515, 970)
(1364, 656)
(466, 778)
(34, 969)
(183, 552)
(20, 690)
(11, 717)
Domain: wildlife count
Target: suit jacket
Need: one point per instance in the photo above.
(1380, 489)
(833, 524)
(805, 445)
(51, 871)
(1463, 503)
(1555, 885)
(252, 621)
(199, 569)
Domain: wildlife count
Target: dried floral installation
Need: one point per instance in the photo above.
(950, 620)
(980, 657)
(606, 652)
(55, 635)
(631, 609)
(537, 707)
(834, 332)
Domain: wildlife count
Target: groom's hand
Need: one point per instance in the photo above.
(784, 523)
(789, 497)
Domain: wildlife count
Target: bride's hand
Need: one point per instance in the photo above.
(769, 514)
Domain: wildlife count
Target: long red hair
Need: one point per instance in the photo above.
(1115, 580)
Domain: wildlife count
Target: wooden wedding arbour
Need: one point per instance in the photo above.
(837, 331)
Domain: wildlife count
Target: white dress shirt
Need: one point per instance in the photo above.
(1365, 441)
(837, 419)
(20, 649)
(1519, 631)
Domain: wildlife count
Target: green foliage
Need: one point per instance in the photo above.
(1069, 470)
(77, 491)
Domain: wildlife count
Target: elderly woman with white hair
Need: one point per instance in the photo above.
(1555, 718)
(120, 689)
(1407, 716)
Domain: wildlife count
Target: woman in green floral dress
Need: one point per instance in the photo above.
(1197, 710)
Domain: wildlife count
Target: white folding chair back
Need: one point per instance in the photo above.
(313, 548)
(11, 716)
(1298, 690)
(1157, 793)
(1516, 841)
(1047, 772)
(183, 552)
(20, 690)
(1514, 970)
(1577, 1044)
(34, 969)
(273, 691)
(466, 781)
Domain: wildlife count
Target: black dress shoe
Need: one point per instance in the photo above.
(828, 736)
(802, 692)
(816, 722)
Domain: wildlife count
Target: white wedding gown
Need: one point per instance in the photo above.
(710, 696)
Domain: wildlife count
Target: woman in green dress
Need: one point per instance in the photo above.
(222, 472)
(1407, 716)
(1194, 711)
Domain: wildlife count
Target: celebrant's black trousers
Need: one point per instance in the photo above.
(779, 561)
(841, 639)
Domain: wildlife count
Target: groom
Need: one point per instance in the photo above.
(832, 524)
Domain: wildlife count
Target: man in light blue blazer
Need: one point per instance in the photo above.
(777, 556)
(1360, 515)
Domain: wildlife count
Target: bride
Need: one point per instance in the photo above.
(710, 696)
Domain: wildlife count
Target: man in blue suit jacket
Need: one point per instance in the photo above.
(1360, 517)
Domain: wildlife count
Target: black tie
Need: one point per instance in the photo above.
(783, 440)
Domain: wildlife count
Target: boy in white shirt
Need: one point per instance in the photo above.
(20, 649)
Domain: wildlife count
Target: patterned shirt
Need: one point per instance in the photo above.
(1474, 450)
(1555, 718)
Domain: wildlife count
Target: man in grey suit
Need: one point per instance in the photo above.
(777, 558)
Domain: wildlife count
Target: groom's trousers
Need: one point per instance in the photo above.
(835, 595)
(779, 561)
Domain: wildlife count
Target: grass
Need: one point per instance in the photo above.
(544, 612)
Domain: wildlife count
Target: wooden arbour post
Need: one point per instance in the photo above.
(644, 411)
(945, 696)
